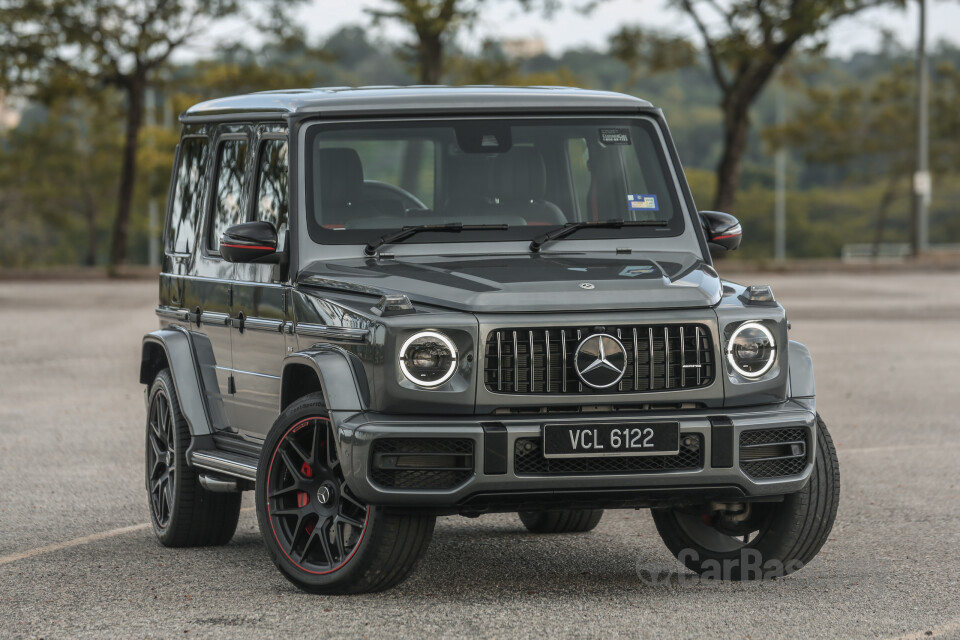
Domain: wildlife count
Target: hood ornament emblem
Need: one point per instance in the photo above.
(587, 285)
(600, 360)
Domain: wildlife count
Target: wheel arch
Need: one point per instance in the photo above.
(800, 378)
(172, 349)
(328, 369)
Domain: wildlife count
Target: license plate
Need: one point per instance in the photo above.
(637, 439)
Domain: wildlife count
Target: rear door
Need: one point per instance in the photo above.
(260, 298)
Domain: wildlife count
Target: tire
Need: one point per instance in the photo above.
(564, 521)
(183, 513)
(785, 535)
(321, 537)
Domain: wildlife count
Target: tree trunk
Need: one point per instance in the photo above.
(135, 87)
(736, 124)
(431, 59)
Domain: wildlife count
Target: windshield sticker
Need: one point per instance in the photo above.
(642, 202)
(638, 270)
(615, 136)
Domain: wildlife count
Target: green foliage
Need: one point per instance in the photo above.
(57, 181)
(647, 52)
(434, 24)
(492, 66)
(851, 123)
(745, 43)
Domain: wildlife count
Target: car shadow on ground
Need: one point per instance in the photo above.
(483, 560)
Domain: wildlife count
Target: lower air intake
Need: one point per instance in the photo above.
(421, 463)
(773, 453)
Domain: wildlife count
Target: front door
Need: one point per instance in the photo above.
(259, 344)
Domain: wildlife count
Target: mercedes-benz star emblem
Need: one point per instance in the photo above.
(601, 361)
(323, 494)
(586, 285)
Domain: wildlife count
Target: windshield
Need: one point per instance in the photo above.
(367, 179)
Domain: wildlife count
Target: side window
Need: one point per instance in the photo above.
(227, 207)
(190, 180)
(272, 183)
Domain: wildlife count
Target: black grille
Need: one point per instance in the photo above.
(541, 360)
(528, 459)
(773, 453)
(398, 463)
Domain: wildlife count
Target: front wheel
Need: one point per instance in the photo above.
(759, 540)
(318, 533)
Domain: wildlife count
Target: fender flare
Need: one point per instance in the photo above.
(343, 387)
(178, 351)
(800, 380)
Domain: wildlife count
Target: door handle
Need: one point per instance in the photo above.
(238, 322)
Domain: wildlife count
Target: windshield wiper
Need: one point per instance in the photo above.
(407, 232)
(573, 227)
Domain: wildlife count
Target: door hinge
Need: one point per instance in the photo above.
(231, 385)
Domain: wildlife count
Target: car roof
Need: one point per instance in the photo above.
(388, 100)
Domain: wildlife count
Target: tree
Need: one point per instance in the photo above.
(646, 52)
(100, 43)
(434, 23)
(868, 128)
(492, 66)
(745, 42)
(54, 178)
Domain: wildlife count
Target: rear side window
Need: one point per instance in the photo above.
(272, 184)
(190, 180)
(228, 193)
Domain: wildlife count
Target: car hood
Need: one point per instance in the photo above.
(528, 282)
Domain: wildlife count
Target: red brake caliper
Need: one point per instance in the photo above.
(302, 498)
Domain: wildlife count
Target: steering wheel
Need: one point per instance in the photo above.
(376, 190)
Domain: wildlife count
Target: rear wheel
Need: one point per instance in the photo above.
(757, 540)
(563, 521)
(318, 533)
(183, 513)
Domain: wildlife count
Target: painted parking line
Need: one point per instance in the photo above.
(76, 542)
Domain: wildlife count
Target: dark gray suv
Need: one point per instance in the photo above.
(381, 305)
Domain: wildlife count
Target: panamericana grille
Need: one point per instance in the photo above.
(773, 453)
(541, 360)
(421, 463)
(528, 460)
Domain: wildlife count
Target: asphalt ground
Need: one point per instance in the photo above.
(78, 560)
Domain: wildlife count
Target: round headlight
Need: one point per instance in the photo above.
(428, 359)
(751, 350)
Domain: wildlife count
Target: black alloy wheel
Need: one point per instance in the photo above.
(183, 512)
(313, 516)
(161, 457)
(318, 533)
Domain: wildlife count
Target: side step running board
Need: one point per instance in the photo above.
(225, 462)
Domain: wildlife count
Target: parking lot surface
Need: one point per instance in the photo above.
(78, 560)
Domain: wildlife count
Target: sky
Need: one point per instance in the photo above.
(568, 28)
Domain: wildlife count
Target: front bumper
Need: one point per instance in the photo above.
(513, 489)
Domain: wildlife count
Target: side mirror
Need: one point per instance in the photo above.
(250, 242)
(722, 229)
